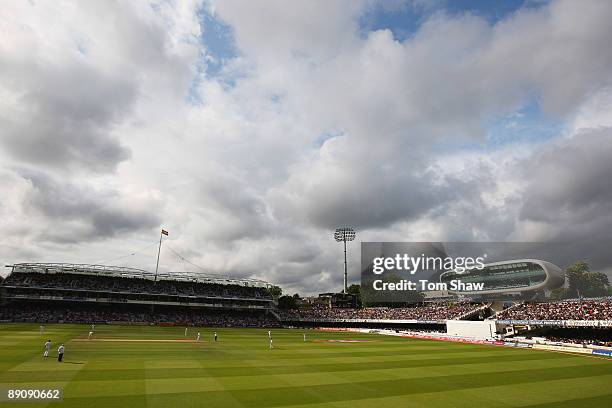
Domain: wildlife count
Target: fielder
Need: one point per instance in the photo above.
(270, 338)
(47, 348)
(185, 332)
(90, 334)
(198, 338)
(215, 337)
(60, 353)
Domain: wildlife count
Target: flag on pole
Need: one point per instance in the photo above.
(164, 232)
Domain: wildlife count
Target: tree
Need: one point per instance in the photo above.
(355, 289)
(574, 275)
(595, 284)
(287, 302)
(559, 293)
(275, 291)
(582, 282)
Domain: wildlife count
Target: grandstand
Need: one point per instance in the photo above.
(578, 310)
(430, 313)
(84, 293)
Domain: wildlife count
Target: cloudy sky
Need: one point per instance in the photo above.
(250, 130)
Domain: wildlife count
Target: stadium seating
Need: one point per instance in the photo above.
(79, 298)
(79, 313)
(132, 285)
(431, 311)
(73, 297)
(576, 309)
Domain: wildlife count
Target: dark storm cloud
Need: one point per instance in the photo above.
(562, 253)
(65, 116)
(569, 182)
(371, 187)
(375, 202)
(77, 213)
(569, 197)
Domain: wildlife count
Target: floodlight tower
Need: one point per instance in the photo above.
(342, 235)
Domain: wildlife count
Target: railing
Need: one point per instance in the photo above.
(112, 292)
(503, 310)
(559, 323)
(396, 321)
(135, 301)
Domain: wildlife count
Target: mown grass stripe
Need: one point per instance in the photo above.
(273, 397)
(521, 395)
(272, 380)
(135, 373)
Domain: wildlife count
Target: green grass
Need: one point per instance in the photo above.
(240, 370)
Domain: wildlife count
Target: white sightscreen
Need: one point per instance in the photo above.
(478, 330)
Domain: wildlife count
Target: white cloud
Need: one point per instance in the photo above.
(310, 126)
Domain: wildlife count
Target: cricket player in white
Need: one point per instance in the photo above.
(215, 336)
(60, 353)
(270, 337)
(47, 348)
(185, 332)
(90, 334)
(304, 337)
(198, 338)
(93, 328)
(42, 329)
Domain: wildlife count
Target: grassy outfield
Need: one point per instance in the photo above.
(240, 370)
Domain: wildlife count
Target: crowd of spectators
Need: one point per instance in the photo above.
(58, 314)
(109, 284)
(587, 336)
(101, 297)
(589, 342)
(430, 311)
(564, 310)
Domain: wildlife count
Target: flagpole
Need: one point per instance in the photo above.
(161, 234)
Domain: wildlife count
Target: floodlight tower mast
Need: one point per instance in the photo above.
(343, 235)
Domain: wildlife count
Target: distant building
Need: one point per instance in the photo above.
(509, 278)
(313, 301)
(341, 300)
